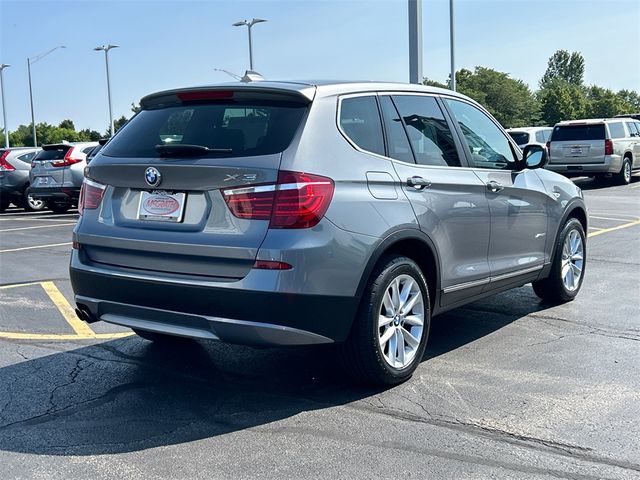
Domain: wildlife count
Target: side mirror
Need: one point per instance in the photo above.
(535, 156)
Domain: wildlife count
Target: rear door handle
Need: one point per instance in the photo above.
(494, 186)
(418, 182)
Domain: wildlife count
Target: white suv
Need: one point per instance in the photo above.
(524, 136)
(596, 147)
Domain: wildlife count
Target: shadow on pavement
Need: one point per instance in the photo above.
(130, 395)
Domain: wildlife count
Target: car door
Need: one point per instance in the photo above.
(517, 199)
(448, 200)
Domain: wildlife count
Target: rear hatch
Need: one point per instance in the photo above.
(48, 166)
(165, 208)
(577, 143)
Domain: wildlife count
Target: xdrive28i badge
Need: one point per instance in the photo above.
(152, 176)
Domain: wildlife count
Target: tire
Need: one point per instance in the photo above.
(570, 252)
(367, 356)
(58, 207)
(624, 176)
(157, 337)
(31, 204)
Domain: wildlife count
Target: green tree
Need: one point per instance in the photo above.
(117, 125)
(603, 103)
(565, 66)
(86, 135)
(67, 124)
(631, 100)
(560, 100)
(432, 83)
(135, 108)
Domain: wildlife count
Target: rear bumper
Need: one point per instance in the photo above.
(61, 194)
(212, 312)
(611, 164)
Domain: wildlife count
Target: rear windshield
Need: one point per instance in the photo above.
(520, 137)
(247, 128)
(578, 132)
(55, 154)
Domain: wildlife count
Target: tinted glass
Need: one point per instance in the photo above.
(578, 132)
(246, 128)
(27, 157)
(617, 130)
(93, 152)
(632, 129)
(87, 150)
(540, 137)
(360, 121)
(488, 146)
(428, 132)
(397, 141)
(521, 138)
(54, 154)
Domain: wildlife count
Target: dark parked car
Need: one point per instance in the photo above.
(15, 164)
(278, 213)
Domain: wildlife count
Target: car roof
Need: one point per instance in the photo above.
(586, 121)
(308, 88)
(528, 129)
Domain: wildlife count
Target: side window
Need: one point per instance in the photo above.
(428, 132)
(360, 121)
(27, 157)
(488, 146)
(617, 130)
(632, 127)
(397, 141)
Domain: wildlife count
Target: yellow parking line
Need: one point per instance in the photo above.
(596, 228)
(67, 310)
(55, 336)
(619, 227)
(39, 226)
(35, 246)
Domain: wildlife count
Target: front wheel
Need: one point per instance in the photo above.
(390, 332)
(567, 271)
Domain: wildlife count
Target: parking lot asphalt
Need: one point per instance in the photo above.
(510, 387)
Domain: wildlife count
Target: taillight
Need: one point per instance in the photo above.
(4, 165)
(608, 147)
(297, 200)
(91, 195)
(69, 159)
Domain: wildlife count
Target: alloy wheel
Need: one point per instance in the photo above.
(572, 260)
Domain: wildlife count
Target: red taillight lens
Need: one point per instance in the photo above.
(297, 200)
(5, 166)
(205, 95)
(91, 195)
(608, 147)
(301, 200)
(69, 159)
(271, 265)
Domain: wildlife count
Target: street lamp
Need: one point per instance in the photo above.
(4, 108)
(249, 25)
(106, 49)
(31, 61)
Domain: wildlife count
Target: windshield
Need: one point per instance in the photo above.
(228, 129)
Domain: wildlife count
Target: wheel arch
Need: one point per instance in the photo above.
(577, 210)
(413, 244)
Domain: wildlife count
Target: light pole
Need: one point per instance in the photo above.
(453, 45)
(249, 24)
(4, 108)
(31, 61)
(106, 49)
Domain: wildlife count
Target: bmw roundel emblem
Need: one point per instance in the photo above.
(152, 176)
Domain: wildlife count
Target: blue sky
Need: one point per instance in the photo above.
(171, 43)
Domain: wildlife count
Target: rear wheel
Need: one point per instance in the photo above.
(31, 204)
(58, 207)
(390, 332)
(624, 176)
(567, 272)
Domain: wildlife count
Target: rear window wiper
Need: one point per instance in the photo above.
(188, 150)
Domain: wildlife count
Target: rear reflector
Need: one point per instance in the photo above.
(205, 95)
(297, 200)
(608, 147)
(69, 159)
(5, 166)
(91, 195)
(271, 265)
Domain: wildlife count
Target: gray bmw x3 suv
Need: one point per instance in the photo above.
(307, 213)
